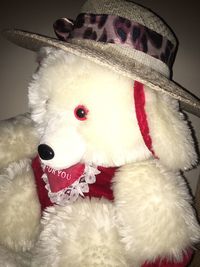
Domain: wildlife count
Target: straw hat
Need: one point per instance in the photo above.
(122, 36)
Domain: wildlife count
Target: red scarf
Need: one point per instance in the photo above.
(101, 188)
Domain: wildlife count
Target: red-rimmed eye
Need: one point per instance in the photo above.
(81, 112)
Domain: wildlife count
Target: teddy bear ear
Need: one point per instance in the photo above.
(171, 135)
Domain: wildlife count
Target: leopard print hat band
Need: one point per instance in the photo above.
(117, 31)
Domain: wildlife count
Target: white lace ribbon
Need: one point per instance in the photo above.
(78, 188)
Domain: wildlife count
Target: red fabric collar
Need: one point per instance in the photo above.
(101, 188)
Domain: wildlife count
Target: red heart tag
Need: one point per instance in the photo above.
(60, 179)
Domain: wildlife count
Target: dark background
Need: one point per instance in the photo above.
(17, 64)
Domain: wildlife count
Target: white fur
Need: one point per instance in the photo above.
(66, 81)
(67, 143)
(19, 207)
(18, 139)
(9, 258)
(169, 130)
(82, 234)
(155, 218)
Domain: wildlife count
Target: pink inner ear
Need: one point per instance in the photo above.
(139, 99)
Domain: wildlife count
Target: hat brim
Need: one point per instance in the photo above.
(100, 54)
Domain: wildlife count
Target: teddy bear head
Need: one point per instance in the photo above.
(85, 112)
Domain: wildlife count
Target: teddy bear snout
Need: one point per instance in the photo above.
(45, 152)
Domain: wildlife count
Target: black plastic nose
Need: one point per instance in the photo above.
(45, 152)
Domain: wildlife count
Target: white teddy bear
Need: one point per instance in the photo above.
(111, 143)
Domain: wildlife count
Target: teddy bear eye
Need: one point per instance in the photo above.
(81, 112)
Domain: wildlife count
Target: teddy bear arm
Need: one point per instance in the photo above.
(81, 234)
(11, 258)
(18, 139)
(20, 211)
(154, 215)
